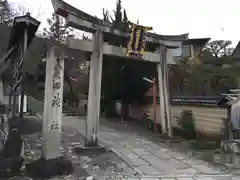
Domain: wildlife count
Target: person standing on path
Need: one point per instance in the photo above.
(85, 106)
(122, 113)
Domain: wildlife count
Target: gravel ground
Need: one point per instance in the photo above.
(100, 163)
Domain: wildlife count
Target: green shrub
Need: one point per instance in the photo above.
(186, 122)
(146, 122)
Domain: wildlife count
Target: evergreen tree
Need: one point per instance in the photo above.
(118, 14)
(106, 16)
(125, 18)
(119, 19)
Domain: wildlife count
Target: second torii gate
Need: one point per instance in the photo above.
(85, 22)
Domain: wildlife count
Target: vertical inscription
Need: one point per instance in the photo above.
(56, 85)
(54, 126)
(56, 100)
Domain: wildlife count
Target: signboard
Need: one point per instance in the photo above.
(136, 45)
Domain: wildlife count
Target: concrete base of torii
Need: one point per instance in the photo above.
(51, 163)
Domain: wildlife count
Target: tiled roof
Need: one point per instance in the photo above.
(236, 51)
(197, 41)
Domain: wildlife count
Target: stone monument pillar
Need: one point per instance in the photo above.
(52, 116)
(51, 163)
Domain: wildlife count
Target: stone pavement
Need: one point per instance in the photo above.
(145, 157)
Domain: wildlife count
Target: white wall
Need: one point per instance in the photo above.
(207, 120)
(170, 57)
(176, 52)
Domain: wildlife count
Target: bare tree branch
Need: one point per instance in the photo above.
(57, 29)
(219, 48)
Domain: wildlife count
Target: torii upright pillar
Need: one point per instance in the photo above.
(94, 93)
(162, 70)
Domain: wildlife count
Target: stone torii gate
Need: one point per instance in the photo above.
(97, 47)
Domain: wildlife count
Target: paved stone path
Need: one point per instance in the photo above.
(147, 158)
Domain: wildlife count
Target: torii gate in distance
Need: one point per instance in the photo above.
(99, 47)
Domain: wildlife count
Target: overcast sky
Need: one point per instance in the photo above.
(218, 19)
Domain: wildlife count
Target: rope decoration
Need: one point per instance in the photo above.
(137, 40)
